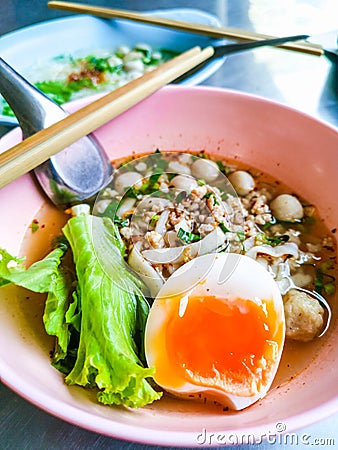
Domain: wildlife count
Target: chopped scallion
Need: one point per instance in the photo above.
(154, 220)
(329, 288)
(181, 196)
(121, 222)
(224, 228)
(241, 235)
(187, 237)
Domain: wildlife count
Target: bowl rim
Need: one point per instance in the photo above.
(144, 435)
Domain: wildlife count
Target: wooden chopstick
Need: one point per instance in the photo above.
(203, 29)
(39, 147)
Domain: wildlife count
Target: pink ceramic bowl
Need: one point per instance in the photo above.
(289, 145)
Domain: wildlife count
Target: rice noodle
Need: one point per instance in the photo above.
(161, 223)
(290, 248)
(125, 206)
(152, 279)
(210, 243)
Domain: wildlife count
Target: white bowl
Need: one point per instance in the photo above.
(38, 44)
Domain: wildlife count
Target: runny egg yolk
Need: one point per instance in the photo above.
(215, 337)
(217, 343)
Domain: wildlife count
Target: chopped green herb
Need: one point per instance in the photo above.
(224, 228)
(187, 237)
(60, 58)
(224, 196)
(320, 284)
(224, 169)
(326, 265)
(156, 162)
(272, 240)
(225, 248)
(82, 83)
(100, 64)
(111, 209)
(34, 226)
(7, 110)
(277, 240)
(267, 225)
(155, 177)
(181, 196)
(201, 182)
(319, 281)
(241, 235)
(59, 91)
(127, 167)
(329, 288)
(171, 176)
(147, 54)
(147, 188)
(154, 220)
(167, 195)
(209, 195)
(202, 155)
(121, 222)
(132, 192)
(161, 164)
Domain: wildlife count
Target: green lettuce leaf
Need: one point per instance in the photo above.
(45, 276)
(37, 278)
(98, 317)
(113, 314)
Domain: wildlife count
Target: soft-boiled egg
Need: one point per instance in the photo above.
(216, 330)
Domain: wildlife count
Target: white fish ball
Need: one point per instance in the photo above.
(183, 182)
(135, 64)
(287, 208)
(126, 180)
(205, 169)
(242, 182)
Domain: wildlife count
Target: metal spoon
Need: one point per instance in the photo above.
(221, 50)
(285, 284)
(76, 173)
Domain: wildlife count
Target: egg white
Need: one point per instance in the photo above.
(224, 275)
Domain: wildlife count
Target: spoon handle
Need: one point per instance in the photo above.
(227, 49)
(35, 111)
(203, 29)
(222, 50)
(25, 99)
(39, 147)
